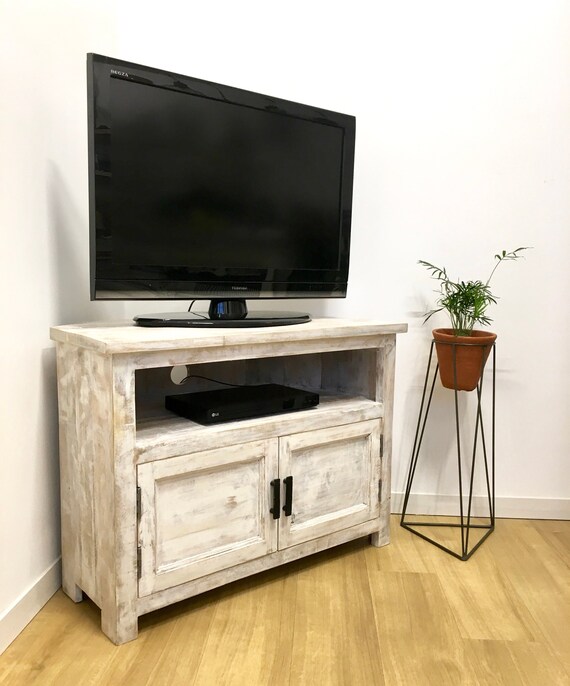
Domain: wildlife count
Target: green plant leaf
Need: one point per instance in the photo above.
(466, 302)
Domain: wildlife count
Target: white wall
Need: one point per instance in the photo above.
(463, 149)
(43, 270)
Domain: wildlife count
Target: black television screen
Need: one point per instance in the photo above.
(204, 191)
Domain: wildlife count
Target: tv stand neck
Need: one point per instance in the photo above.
(227, 308)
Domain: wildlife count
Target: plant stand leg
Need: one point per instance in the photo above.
(465, 524)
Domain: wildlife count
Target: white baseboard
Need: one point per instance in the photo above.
(505, 507)
(30, 602)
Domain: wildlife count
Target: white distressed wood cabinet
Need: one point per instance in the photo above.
(157, 508)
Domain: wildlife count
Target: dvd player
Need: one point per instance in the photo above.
(240, 402)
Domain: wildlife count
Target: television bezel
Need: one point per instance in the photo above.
(157, 283)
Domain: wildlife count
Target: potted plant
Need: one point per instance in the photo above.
(462, 350)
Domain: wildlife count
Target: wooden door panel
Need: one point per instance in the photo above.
(335, 480)
(204, 512)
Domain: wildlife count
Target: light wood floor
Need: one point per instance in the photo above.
(404, 614)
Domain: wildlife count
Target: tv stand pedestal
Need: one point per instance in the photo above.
(156, 508)
(223, 314)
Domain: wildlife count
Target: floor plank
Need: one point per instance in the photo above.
(335, 638)
(405, 614)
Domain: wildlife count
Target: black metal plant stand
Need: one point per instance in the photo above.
(465, 519)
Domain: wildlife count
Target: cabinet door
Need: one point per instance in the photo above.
(205, 512)
(335, 480)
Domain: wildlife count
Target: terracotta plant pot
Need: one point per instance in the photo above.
(471, 353)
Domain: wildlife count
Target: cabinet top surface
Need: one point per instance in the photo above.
(125, 337)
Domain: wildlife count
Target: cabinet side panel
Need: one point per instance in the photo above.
(70, 483)
(102, 446)
(385, 392)
(118, 520)
(85, 438)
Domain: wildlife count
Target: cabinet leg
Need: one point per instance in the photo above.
(120, 628)
(379, 539)
(382, 536)
(72, 590)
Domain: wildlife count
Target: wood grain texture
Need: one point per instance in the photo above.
(86, 453)
(207, 522)
(125, 337)
(117, 511)
(98, 484)
(205, 512)
(173, 435)
(70, 490)
(384, 379)
(335, 480)
(261, 564)
(254, 350)
(353, 615)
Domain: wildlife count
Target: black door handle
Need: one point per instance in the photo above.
(276, 508)
(288, 481)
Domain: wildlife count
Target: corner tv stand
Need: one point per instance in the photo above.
(156, 508)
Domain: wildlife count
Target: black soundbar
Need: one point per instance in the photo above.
(242, 402)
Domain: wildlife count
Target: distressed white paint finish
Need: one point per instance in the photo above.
(347, 372)
(111, 381)
(124, 337)
(385, 371)
(205, 512)
(260, 564)
(255, 350)
(335, 480)
(173, 435)
(98, 485)
(119, 516)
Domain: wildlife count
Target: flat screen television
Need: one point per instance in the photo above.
(201, 191)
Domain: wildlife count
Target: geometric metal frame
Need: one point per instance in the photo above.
(465, 520)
